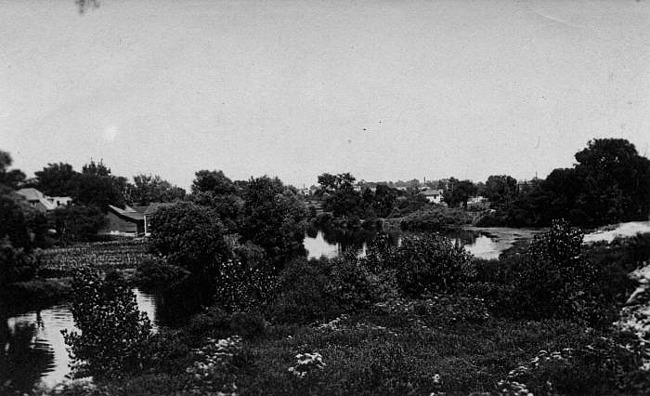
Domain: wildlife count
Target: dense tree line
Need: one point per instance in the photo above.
(609, 183)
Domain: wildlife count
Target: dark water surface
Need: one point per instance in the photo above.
(33, 351)
(480, 244)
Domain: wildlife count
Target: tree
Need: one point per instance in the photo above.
(384, 200)
(616, 181)
(113, 332)
(273, 217)
(214, 181)
(459, 192)
(190, 236)
(152, 188)
(9, 179)
(501, 190)
(57, 180)
(340, 196)
(78, 222)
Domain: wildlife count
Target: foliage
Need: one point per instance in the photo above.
(437, 219)
(112, 330)
(501, 190)
(78, 222)
(554, 279)
(429, 263)
(190, 236)
(13, 224)
(273, 217)
(15, 264)
(322, 289)
(9, 179)
(154, 274)
(458, 192)
(147, 189)
(215, 182)
(56, 180)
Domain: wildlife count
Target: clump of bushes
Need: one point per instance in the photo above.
(438, 219)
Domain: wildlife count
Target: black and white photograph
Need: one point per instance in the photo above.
(324, 197)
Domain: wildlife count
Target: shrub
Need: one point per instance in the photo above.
(553, 279)
(438, 219)
(112, 330)
(429, 263)
(323, 289)
(156, 274)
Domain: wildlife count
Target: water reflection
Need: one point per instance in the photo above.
(333, 243)
(33, 350)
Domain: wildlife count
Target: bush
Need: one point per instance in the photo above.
(156, 274)
(323, 289)
(112, 330)
(554, 279)
(429, 263)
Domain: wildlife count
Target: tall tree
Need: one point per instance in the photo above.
(459, 192)
(9, 179)
(616, 181)
(274, 217)
(501, 190)
(57, 180)
(152, 188)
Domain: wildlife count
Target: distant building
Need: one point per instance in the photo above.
(433, 195)
(42, 202)
(130, 221)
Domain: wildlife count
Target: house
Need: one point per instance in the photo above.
(42, 202)
(433, 195)
(130, 221)
(125, 221)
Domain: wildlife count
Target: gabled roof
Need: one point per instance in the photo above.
(126, 213)
(431, 192)
(31, 194)
(147, 210)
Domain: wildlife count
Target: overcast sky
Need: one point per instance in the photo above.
(385, 90)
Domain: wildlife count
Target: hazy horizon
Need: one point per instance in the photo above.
(384, 90)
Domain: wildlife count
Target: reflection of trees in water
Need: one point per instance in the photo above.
(21, 363)
(352, 240)
(466, 237)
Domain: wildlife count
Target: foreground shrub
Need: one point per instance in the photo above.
(553, 279)
(323, 289)
(112, 330)
(429, 263)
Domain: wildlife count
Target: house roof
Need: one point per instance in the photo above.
(431, 192)
(127, 213)
(31, 194)
(147, 210)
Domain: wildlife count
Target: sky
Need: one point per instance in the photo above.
(383, 89)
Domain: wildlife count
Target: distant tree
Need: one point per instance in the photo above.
(9, 179)
(152, 188)
(57, 180)
(459, 192)
(501, 190)
(385, 200)
(340, 196)
(214, 181)
(273, 217)
(78, 222)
